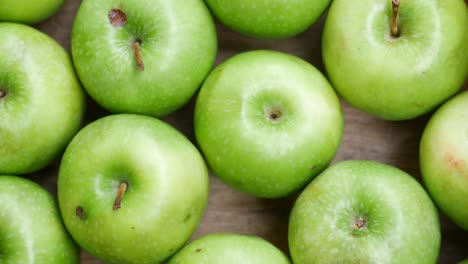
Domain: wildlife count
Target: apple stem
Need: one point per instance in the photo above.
(122, 188)
(136, 48)
(395, 6)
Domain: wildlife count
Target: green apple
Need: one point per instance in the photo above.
(28, 11)
(131, 189)
(143, 56)
(364, 212)
(270, 19)
(228, 248)
(398, 64)
(444, 159)
(41, 100)
(31, 230)
(267, 122)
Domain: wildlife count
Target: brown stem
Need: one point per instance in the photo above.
(122, 188)
(139, 61)
(395, 6)
(2, 94)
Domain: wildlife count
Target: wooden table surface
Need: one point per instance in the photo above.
(365, 137)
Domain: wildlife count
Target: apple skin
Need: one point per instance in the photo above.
(444, 159)
(44, 104)
(249, 150)
(402, 225)
(268, 19)
(396, 78)
(228, 248)
(166, 196)
(28, 11)
(31, 229)
(178, 49)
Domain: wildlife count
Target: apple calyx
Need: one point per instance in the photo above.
(117, 17)
(122, 188)
(136, 48)
(360, 223)
(274, 114)
(2, 94)
(395, 6)
(80, 213)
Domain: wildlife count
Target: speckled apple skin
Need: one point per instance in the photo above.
(229, 248)
(166, 196)
(246, 149)
(178, 49)
(44, 103)
(396, 78)
(444, 159)
(268, 19)
(31, 228)
(28, 11)
(402, 224)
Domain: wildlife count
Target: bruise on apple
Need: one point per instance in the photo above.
(117, 17)
(198, 250)
(3, 94)
(454, 163)
(80, 213)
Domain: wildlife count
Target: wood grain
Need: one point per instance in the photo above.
(365, 137)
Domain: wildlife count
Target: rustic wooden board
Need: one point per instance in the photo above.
(365, 137)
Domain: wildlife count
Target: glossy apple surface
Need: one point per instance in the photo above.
(364, 212)
(28, 11)
(271, 19)
(177, 46)
(267, 122)
(396, 77)
(166, 191)
(228, 248)
(41, 100)
(444, 158)
(31, 229)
